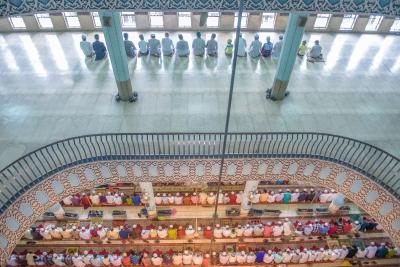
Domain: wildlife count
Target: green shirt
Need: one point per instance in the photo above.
(287, 196)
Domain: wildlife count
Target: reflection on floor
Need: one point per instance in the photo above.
(49, 92)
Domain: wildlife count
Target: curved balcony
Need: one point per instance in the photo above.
(29, 170)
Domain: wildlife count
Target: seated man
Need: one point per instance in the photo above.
(255, 47)
(182, 47)
(86, 47)
(143, 46)
(167, 45)
(198, 45)
(315, 52)
(154, 46)
(302, 49)
(212, 46)
(266, 49)
(130, 48)
(99, 48)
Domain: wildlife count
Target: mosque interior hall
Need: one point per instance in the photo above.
(196, 133)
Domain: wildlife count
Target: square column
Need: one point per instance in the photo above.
(291, 42)
(111, 25)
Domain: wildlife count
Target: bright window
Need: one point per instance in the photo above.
(71, 20)
(17, 22)
(396, 25)
(268, 21)
(44, 21)
(128, 19)
(213, 19)
(244, 20)
(322, 21)
(348, 22)
(156, 19)
(184, 19)
(373, 23)
(96, 19)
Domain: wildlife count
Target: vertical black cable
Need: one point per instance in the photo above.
(228, 113)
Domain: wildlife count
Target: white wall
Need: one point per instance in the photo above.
(171, 22)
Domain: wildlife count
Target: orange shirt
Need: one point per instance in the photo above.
(146, 261)
(206, 262)
(126, 261)
(187, 200)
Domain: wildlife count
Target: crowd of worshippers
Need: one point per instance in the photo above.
(270, 229)
(258, 256)
(154, 47)
(202, 198)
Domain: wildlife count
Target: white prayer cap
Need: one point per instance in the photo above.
(76, 254)
(155, 255)
(287, 190)
(332, 191)
(232, 192)
(288, 250)
(279, 222)
(164, 194)
(247, 225)
(269, 223)
(297, 190)
(83, 228)
(321, 249)
(177, 194)
(186, 194)
(224, 253)
(190, 227)
(134, 226)
(108, 193)
(44, 253)
(217, 225)
(116, 194)
(207, 255)
(305, 249)
(211, 194)
(312, 189)
(357, 222)
(325, 191)
(73, 227)
(226, 226)
(99, 226)
(194, 194)
(269, 251)
(243, 252)
(297, 250)
(286, 219)
(186, 252)
(122, 193)
(280, 190)
(83, 194)
(160, 227)
(208, 227)
(372, 243)
(171, 226)
(199, 228)
(326, 224)
(382, 244)
(85, 252)
(158, 194)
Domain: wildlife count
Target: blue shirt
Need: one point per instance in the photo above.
(136, 200)
(260, 256)
(123, 234)
(323, 229)
(135, 259)
(99, 49)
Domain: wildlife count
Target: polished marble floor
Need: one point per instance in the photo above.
(48, 91)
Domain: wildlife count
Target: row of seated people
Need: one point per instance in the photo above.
(260, 256)
(202, 198)
(98, 233)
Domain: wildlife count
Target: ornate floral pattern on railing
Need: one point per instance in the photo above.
(386, 7)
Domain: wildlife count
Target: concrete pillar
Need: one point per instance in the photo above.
(86, 21)
(310, 23)
(254, 21)
(31, 23)
(5, 25)
(142, 21)
(170, 21)
(334, 23)
(251, 186)
(291, 41)
(281, 21)
(147, 190)
(111, 25)
(361, 23)
(227, 20)
(386, 24)
(58, 22)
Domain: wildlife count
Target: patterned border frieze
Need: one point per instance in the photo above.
(370, 196)
(385, 7)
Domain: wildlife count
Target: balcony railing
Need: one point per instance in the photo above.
(27, 171)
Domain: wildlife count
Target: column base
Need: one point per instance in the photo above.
(278, 91)
(124, 90)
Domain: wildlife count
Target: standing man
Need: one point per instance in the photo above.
(242, 47)
(167, 46)
(276, 50)
(198, 45)
(212, 46)
(86, 47)
(130, 48)
(99, 48)
(154, 46)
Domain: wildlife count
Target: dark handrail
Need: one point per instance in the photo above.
(34, 167)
